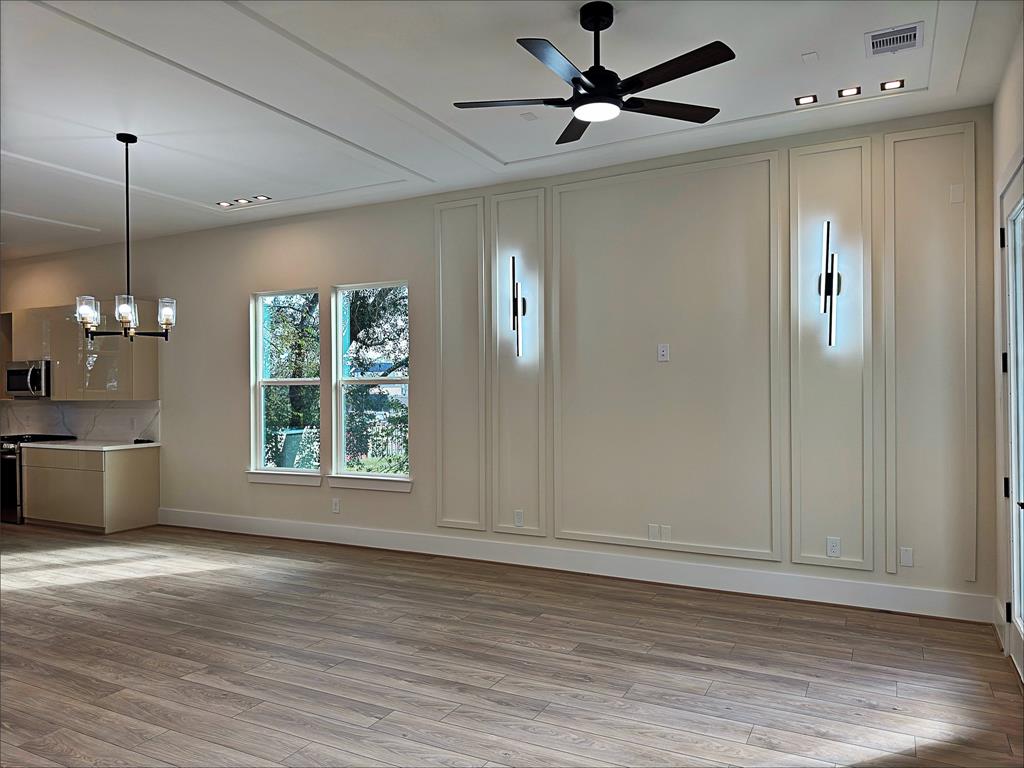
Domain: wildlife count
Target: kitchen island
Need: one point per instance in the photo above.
(94, 485)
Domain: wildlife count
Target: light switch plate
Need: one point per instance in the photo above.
(336, 506)
(663, 353)
(907, 557)
(653, 532)
(666, 533)
(956, 193)
(518, 519)
(832, 546)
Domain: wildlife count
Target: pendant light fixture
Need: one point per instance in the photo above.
(125, 310)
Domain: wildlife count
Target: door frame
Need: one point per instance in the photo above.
(1010, 529)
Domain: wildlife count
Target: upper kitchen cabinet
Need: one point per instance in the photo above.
(104, 368)
(31, 334)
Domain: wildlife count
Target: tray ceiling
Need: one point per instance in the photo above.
(322, 105)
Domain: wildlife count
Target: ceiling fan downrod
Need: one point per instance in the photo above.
(596, 16)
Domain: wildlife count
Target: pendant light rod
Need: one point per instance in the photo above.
(126, 139)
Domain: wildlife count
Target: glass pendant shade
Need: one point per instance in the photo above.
(87, 311)
(166, 312)
(127, 311)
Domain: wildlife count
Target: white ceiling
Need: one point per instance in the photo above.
(322, 105)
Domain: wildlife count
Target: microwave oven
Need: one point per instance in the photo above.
(28, 378)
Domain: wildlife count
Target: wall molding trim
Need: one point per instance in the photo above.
(778, 371)
(441, 292)
(798, 261)
(512, 377)
(889, 597)
(970, 377)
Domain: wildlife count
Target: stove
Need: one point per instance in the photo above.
(10, 474)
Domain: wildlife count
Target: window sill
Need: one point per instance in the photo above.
(278, 477)
(364, 483)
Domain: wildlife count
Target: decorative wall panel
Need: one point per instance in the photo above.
(685, 453)
(518, 412)
(461, 365)
(831, 386)
(930, 363)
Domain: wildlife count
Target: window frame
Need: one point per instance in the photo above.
(257, 385)
(340, 476)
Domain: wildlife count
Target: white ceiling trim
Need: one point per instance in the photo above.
(953, 24)
(314, 196)
(106, 180)
(708, 127)
(292, 99)
(375, 158)
(963, 52)
(489, 158)
(44, 220)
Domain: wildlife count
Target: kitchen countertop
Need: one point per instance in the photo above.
(89, 445)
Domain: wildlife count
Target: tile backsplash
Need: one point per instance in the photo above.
(115, 420)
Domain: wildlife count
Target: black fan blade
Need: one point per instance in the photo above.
(573, 131)
(706, 56)
(510, 103)
(555, 60)
(692, 113)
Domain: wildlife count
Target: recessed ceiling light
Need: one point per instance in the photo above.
(854, 91)
(802, 101)
(242, 201)
(892, 85)
(225, 204)
(261, 197)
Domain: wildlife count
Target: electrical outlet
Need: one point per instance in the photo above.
(832, 546)
(666, 533)
(663, 353)
(336, 506)
(907, 557)
(518, 518)
(653, 532)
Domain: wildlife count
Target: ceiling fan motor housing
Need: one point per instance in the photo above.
(596, 16)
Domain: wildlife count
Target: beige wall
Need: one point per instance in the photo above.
(719, 475)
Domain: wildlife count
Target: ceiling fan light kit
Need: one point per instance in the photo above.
(87, 309)
(599, 94)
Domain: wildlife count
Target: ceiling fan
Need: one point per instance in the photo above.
(599, 94)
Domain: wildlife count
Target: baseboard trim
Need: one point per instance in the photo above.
(728, 578)
(999, 621)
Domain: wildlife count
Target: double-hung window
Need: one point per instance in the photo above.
(286, 382)
(372, 380)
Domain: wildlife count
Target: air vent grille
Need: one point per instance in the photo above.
(894, 39)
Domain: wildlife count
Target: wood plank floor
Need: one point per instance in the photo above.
(179, 647)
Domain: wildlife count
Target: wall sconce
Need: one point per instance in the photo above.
(518, 309)
(830, 282)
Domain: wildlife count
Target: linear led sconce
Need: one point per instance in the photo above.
(518, 309)
(830, 282)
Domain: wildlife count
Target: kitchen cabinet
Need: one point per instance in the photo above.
(104, 368)
(102, 490)
(31, 331)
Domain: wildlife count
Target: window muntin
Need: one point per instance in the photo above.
(286, 395)
(372, 381)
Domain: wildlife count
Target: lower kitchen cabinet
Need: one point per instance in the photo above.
(100, 490)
